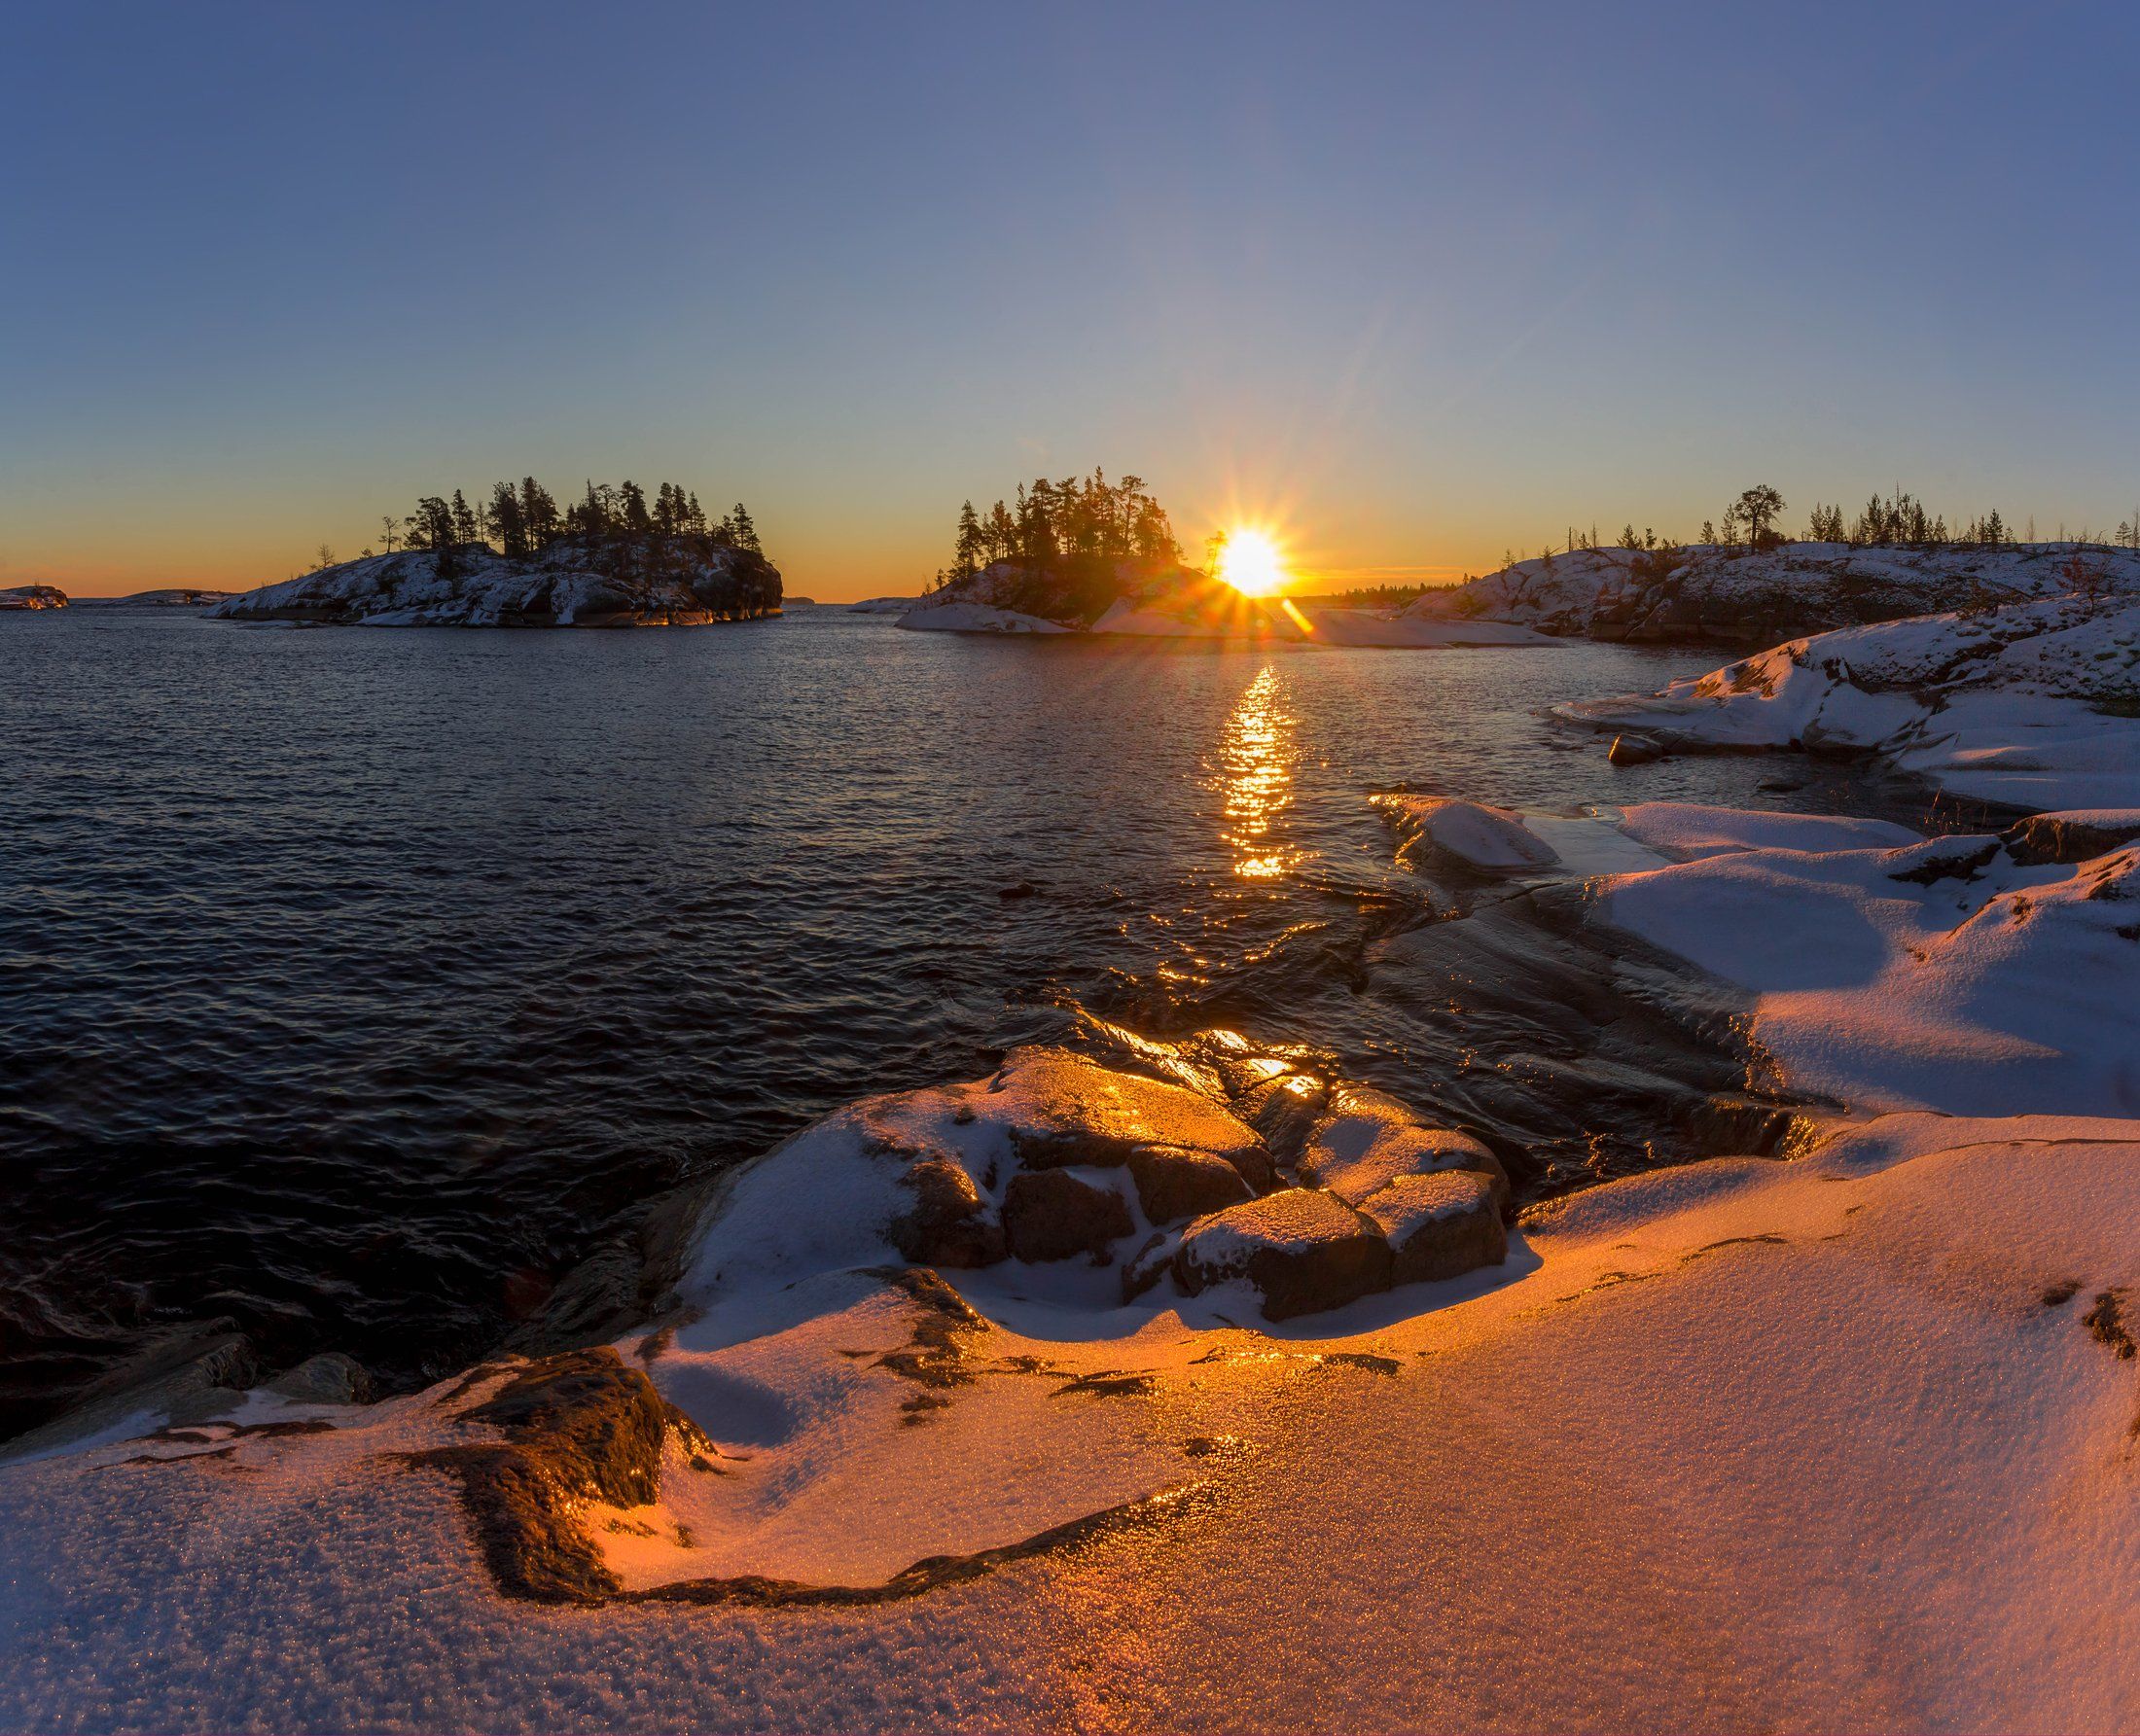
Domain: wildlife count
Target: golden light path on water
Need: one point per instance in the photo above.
(1255, 777)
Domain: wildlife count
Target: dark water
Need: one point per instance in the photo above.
(352, 980)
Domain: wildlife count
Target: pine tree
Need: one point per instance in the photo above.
(464, 520)
(746, 533)
(967, 552)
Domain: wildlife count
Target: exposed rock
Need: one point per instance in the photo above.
(2077, 835)
(951, 1223)
(1438, 1225)
(1634, 750)
(570, 584)
(329, 1378)
(1173, 1183)
(582, 1424)
(1049, 1214)
(1304, 1250)
(1284, 1111)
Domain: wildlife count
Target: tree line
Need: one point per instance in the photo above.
(1897, 519)
(1079, 517)
(518, 521)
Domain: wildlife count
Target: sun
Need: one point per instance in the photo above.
(1249, 562)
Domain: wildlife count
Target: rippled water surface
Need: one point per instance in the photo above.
(352, 980)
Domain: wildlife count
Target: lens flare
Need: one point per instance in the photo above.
(1250, 562)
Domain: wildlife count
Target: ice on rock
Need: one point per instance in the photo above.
(1487, 840)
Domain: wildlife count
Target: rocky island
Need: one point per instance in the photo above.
(1746, 597)
(609, 560)
(176, 596)
(33, 596)
(1082, 555)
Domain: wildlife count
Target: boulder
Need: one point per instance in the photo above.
(1049, 1214)
(1302, 1250)
(1634, 750)
(2079, 835)
(949, 1224)
(1438, 1225)
(1173, 1183)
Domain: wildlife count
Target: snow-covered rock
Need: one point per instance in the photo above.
(1730, 596)
(1943, 975)
(1487, 840)
(2031, 705)
(882, 604)
(569, 583)
(33, 596)
(1438, 1225)
(974, 618)
(1889, 1370)
(1300, 1251)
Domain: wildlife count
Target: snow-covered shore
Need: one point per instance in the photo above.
(1188, 1387)
(1737, 598)
(567, 585)
(2030, 705)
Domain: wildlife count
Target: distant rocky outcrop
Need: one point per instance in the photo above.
(33, 596)
(1071, 593)
(182, 596)
(1149, 600)
(1749, 599)
(2027, 705)
(571, 583)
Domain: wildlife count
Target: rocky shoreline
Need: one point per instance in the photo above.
(568, 584)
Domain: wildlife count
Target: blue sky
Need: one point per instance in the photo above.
(1421, 282)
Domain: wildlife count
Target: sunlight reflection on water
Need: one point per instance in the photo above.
(1255, 777)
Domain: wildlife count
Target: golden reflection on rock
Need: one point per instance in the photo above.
(1254, 778)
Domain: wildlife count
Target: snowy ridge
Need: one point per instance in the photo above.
(1732, 596)
(2030, 705)
(567, 585)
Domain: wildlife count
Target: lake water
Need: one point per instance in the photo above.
(352, 980)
